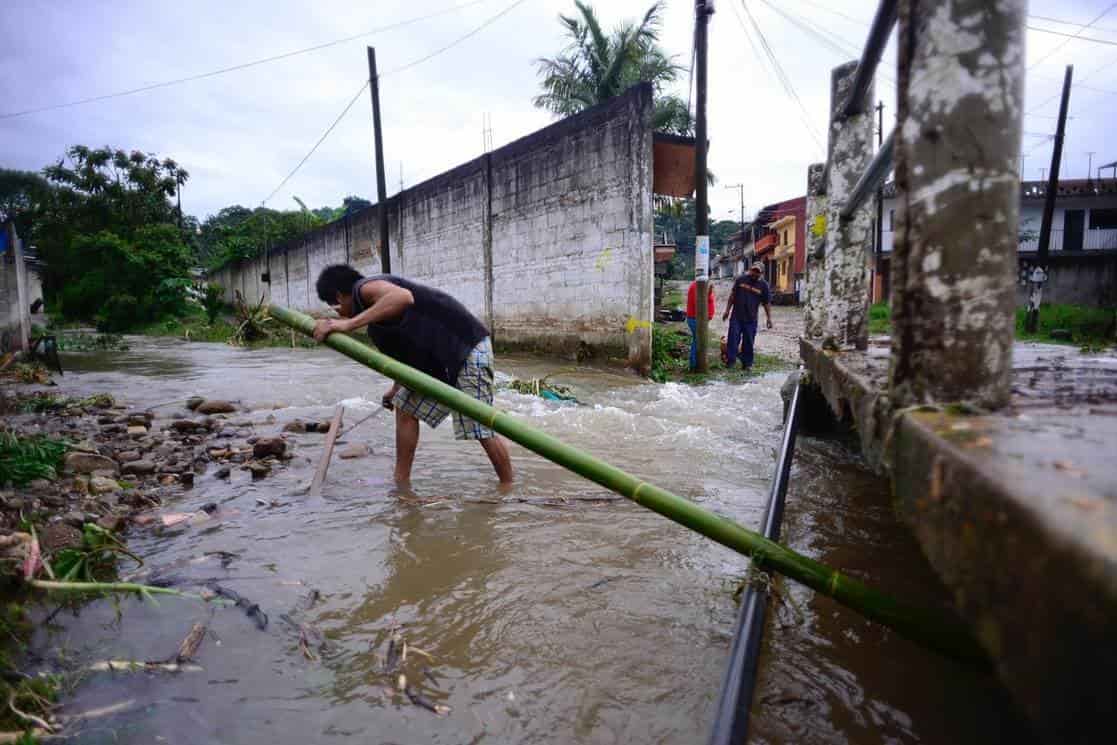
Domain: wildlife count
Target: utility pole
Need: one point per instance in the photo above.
(378, 144)
(741, 195)
(1039, 274)
(702, 11)
(1090, 168)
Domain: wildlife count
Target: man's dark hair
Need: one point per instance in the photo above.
(334, 279)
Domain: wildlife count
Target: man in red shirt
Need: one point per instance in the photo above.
(692, 318)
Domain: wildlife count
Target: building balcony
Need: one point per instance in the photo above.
(766, 243)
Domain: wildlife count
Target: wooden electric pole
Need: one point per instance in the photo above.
(381, 187)
(1039, 274)
(702, 11)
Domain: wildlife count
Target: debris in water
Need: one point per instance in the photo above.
(401, 682)
(311, 639)
(252, 610)
(419, 699)
(137, 666)
(189, 646)
(540, 387)
(395, 648)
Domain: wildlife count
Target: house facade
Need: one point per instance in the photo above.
(1083, 243)
(777, 238)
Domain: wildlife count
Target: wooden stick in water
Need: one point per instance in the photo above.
(324, 463)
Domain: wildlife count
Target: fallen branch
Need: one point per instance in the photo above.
(134, 666)
(20, 737)
(324, 463)
(189, 646)
(127, 587)
(37, 721)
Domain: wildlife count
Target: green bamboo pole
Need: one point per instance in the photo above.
(931, 628)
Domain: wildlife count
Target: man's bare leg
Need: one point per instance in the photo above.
(498, 455)
(407, 439)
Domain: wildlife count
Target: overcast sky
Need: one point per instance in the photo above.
(240, 133)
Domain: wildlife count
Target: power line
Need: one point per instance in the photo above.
(1062, 44)
(242, 66)
(1049, 19)
(393, 71)
(1071, 37)
(321, 139)
(458, 40)
(863, 23)
(788, 87)
(1103, 66)
(843, 47)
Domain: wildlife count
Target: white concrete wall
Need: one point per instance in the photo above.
(15, 299)
(548, 240)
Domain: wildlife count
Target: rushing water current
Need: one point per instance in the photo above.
(552, 613)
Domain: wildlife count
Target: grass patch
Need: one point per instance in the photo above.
(1073, 324)
(880, 318)
(24, 459)
(671, 360)
(673, 298)
(1092, 329)
(196, 326)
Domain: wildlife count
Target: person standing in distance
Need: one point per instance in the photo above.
(748, 294)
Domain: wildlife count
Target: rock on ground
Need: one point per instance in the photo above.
(266, 446)
(102, 485)
(356, 450)
(88, 462)
(216, 407)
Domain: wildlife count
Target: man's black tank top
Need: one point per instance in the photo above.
(435, 335)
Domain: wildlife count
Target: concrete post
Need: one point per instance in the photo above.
(961, 90)
(848, 242)
(814, 315)
(23, 302)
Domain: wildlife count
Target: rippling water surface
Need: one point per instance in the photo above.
(551, 614)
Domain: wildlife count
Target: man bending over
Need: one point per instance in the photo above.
(428, 330)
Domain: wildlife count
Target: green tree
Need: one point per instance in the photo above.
(237, 233)
(22, 193)
(596, 66)
(107, 236)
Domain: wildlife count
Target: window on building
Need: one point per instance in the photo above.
(1104, 219)
(891, 220)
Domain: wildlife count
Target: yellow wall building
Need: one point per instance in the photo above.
(784, 256)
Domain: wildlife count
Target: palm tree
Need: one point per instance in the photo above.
(595, 67)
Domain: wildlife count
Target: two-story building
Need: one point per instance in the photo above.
(776, 237)
(1083, 243)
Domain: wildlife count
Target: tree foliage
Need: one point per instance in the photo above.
(675, 219)
(237, 233)
(596, 66)
(21, 194)
(107, 233)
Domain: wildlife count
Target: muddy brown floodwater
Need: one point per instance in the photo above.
(551, 614)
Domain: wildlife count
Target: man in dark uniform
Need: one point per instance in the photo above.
(428, 330)
(748, 294)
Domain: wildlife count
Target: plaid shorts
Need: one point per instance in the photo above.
(475, 378)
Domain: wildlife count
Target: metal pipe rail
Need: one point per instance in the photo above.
(872, 178)
(933, 628)
(883, 22)
(731, 722)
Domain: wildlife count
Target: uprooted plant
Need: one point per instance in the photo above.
(95, 556)
(251, 320)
